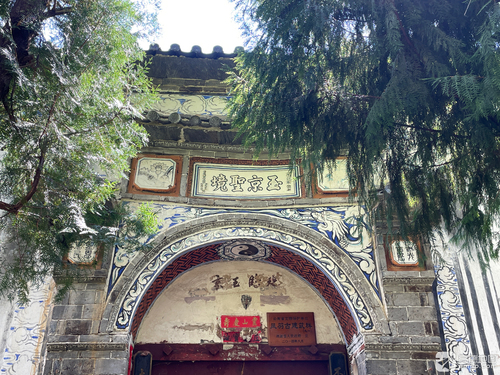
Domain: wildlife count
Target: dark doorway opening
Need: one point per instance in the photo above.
(241, 368)
(240, 359)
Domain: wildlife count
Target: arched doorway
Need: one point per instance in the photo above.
(332, 272)
(183, 327)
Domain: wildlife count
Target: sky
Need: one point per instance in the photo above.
(205, 23)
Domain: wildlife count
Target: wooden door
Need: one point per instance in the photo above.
(241, 368)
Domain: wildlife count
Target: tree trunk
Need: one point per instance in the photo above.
(23, 26)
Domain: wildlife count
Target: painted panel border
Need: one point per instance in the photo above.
(229, 187)
(172, 174)
(345, 227)
(329, 267)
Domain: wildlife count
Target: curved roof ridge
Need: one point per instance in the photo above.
(196, 52)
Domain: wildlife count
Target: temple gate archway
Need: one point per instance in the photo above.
(319, 262)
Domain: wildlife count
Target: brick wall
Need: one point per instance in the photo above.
(76, 345)
(414, 337)
(414, 340)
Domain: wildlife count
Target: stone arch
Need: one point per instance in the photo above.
(146, 276)
(282, 257)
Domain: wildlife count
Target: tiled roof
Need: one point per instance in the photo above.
(175, 50)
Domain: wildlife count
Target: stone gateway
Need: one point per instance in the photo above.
(251, 271)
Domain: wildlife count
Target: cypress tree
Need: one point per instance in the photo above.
(68, 69)
(408, 90)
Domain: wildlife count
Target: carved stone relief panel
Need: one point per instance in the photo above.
(155, 174)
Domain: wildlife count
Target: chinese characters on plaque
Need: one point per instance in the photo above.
(404, 253)
(291, 329)
(85, 254)
(211, 180)
(241, 328)
(229, 321)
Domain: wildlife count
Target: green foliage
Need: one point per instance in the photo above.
(68, 71)
(408, 90)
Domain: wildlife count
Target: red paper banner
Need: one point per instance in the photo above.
(230, 321)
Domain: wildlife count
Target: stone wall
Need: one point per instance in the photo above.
(414, 338)
(79, 341)
(76, 342)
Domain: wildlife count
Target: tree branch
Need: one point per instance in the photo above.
(89, 35)
(57, 12)
(14, 208)
(428, 130)
(95, 128)
(51, 112)
(403, 30)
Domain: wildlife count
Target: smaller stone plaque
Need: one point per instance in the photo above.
(404, 253)
(334, 178)
(85, 254)
(155, 174)
(291, 329)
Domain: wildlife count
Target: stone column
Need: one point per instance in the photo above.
(75, 344)
(414, 340)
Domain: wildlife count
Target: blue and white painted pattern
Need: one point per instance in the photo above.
(346, 227)
(453, 320)
(143, 280)
(22, 355)
(199, 105)
(169, 216)
(470, 310)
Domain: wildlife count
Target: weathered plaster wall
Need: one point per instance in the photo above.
(7, 307)
(23, 338)
(189, 310)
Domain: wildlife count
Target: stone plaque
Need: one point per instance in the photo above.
(155, 173)
(212, 180)
(85, 254)
(404, 253)
(291, 329)
(334, 177)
